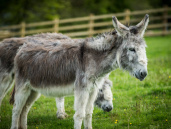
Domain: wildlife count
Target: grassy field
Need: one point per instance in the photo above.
(137, 105)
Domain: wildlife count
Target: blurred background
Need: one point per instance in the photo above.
(16, 11)
(137, 105)
(79, 18)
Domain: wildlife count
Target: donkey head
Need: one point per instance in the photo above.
(105, 96)
(131, 54)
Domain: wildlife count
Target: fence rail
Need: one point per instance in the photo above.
(93, 24)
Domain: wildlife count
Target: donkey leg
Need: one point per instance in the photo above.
(23, 117)
(5, 85)
(81, 98)
(4, 88)
(21, 95)
(60, 108)
(89, 109)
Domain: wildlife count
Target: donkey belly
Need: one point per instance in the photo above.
(56, 91)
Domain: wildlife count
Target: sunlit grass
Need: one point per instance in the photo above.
(137, 105)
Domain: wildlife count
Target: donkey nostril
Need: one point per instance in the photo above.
(108, 108)
(143, 74)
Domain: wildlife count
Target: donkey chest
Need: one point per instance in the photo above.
(56, 91)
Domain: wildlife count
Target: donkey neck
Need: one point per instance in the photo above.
(101, 53)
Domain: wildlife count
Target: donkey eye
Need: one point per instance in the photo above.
(100, 90)
(132, 49)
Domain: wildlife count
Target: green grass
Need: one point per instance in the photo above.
(137, 105)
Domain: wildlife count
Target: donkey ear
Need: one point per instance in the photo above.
(143, 25)
(120, 28)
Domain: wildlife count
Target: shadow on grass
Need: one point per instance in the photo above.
(157, 92)
(50, 122)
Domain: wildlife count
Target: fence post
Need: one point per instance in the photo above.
(56, 25)
(91, 25)
(23, 29)
(127, 16)
(165, 15)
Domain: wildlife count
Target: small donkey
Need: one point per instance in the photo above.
(103, 100)
(76, 67)
(8, 50)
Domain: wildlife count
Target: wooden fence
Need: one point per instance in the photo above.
(93, 24)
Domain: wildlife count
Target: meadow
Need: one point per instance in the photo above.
(137, 104)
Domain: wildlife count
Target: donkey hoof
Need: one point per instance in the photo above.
(62, 115)
(25, 127)
(66, 115)
(14, 127)
(88, 128)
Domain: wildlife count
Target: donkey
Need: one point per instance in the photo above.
(8, 50)
(76, 67)
(103, 100)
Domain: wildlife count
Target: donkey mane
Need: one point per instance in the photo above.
(91, 39)
(51, 36)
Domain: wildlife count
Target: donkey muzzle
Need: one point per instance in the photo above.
(141, 75)
(107, 108)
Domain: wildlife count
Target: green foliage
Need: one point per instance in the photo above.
(16, 11)
(30, 10)
(137, 105)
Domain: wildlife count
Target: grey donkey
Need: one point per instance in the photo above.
(8, 50)
(72, 66)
